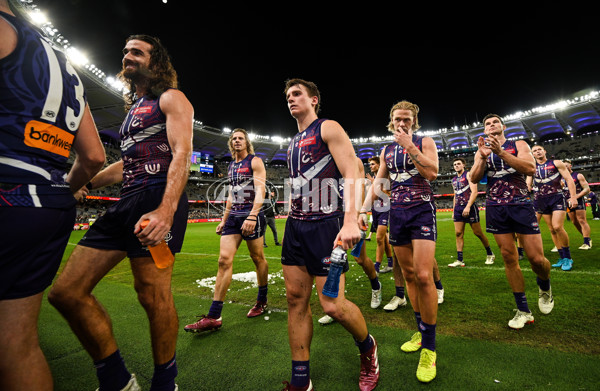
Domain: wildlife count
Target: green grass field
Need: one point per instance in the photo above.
(476, 349)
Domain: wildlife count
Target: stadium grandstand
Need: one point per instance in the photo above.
(569, 128)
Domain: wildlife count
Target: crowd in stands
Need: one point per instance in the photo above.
(583, 150)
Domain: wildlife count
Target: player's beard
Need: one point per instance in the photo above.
(137, 74)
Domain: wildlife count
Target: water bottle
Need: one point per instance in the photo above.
(336, 265)
(161, 253)
(358, 246)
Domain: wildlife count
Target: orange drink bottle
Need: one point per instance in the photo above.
(161, 253)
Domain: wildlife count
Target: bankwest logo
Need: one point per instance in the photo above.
(48, 137)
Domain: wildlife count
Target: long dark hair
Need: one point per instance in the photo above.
(163, 75)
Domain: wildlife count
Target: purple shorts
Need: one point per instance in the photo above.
(114, 229)
(503, 219)
(379, 218)
(233, 226)
(550, 203)
(33, 244)
(416, 222)
(473, 216)
(310, 243)
(580, 205)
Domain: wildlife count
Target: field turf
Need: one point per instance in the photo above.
(476, 349)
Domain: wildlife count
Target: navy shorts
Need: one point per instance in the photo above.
(33, 244)
(310, 243)
(114, 229)
(580, 205)
(416, 222)
(233, 226)
(473, 216)
(503, 219)
(550, 203)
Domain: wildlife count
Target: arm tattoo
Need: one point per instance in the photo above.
(416, 161)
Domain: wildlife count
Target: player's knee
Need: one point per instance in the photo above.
(152, 297)
(458, 234)
(538, 261)
(331, 309)
(63, 298)
(423, 277)
(225, 262)
(258, 259)
(509, 254)
(17, 344)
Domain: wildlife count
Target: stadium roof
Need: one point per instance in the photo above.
(577, 116)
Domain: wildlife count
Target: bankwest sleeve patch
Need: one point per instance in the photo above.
(48, 137)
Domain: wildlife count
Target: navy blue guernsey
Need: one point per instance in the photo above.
(145, 147)
(316, 182)
(241, 181)
(42, 102)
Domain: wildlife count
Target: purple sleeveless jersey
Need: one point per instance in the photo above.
(408, 187)
(505, 185)
(316, 182)
(546, 180)
(241, 182)
(462, 189)
(145, 148)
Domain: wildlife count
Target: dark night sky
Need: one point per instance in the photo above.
(458, 64)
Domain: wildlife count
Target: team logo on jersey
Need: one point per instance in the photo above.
(163, 147)
(425, 228)
(326, 261)
(49, 138)
(152, 169)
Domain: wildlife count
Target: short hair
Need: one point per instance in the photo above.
(538, 145)
(374, 159)
(163, 74)
(567, 160)
(311, 88)
(491, 115)
(464, 162)
(405, 105)
(249, 146)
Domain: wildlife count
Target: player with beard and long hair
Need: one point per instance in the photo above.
(156, 145)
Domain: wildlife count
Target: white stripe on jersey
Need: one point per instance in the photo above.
(25, 166)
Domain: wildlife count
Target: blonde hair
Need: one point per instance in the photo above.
(405, 105)
(249, 146)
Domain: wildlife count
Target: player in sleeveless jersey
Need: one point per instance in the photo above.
(411, 162)
(381, 222)
(156, 145)
(321, 160)
(44, 117)
(577, 213)
(509, 210)
(365, 262)
(466, 210)
(243, 219)
(550, 202)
